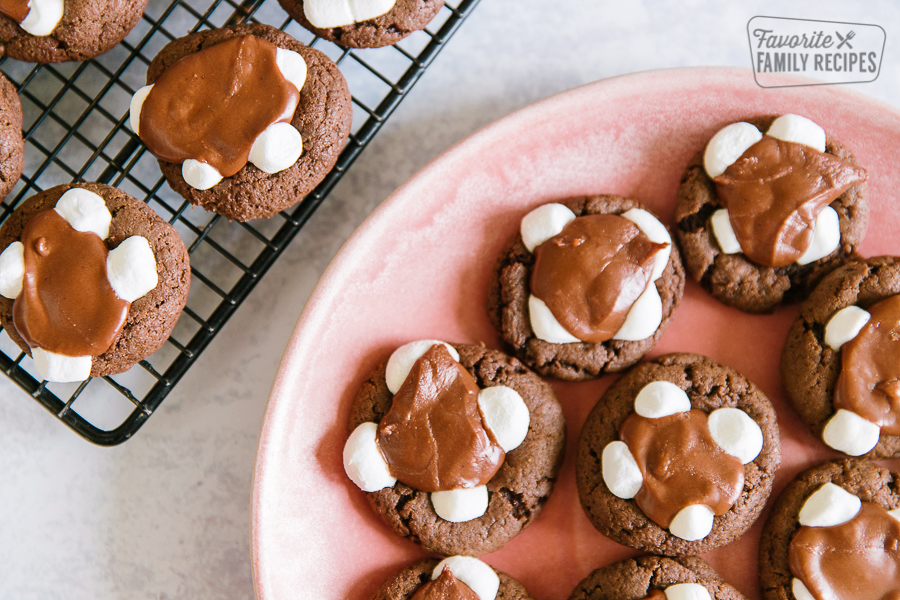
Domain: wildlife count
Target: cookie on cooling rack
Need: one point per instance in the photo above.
(456, 446)
(363, 25)
(457, 577)
(269, 141)
(586, 287)
(12, 147)
(91, 280)
(52, 31)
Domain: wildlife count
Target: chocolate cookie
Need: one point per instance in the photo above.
(405, 584)
(810, 367)
(150, 318)
(703, 387)
(516, 493)
(323, 118)
(508, 307)
(733, 278)
(12, 147)
(637, 578)
(403, 19)
(87, 29)
(863, 479)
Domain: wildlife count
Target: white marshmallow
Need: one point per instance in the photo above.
(797, 129)
(43, 16)
(727, 146)
(845, 325)
(276, 148)
(692, 523)
(736, 433)
(505, 414)
(644, 316)
(545, 325)
(800, 591)
(198, 175)
(480, 578)
(459, 506)
(292, 67)
(826, 236)
(620, 471)
(131, 268)
(326, 14)
(851, 434)
(137, 103)
(895, 513)
(84, 211)
(363, 461)
(404, 357)
(724, 232)
(543, 223)
(661, 399)
(687, 591)
(657, 232)
(61, 369)
(829, 505)
(12, 270)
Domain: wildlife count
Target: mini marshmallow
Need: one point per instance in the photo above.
(131, 268)
(43, 16)
(545, 325)
(620, 471)
(845, 325)
(459, 506)
(543, 223)
(276, 148)
(644, 316)
(657, 233)
(61, 369)
(404, 357)
(480, 578)
(800, 591)
(687, 591)
(826, 237)
(829, 505)
(692, 523)
(851, 434)
(727, 146)
(660, 399)
(363, 461)
(724, 232)
(326, 14)
(85, 211)
(12, 270)
(736, 433)
(797, 129)
(895, 513)
(137, 103)
(505, 414)
(292, 66)
(198, 175)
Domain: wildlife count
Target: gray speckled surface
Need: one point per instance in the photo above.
(166, 515)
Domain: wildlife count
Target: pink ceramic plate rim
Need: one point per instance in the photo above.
(286, 563)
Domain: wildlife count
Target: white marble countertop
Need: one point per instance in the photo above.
(166, 515)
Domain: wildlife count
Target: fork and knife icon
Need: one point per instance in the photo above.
(845, 40)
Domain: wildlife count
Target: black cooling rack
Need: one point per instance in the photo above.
(75, 129)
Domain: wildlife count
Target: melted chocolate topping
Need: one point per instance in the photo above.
(445, 587)
(212, 105)
(858, 560)
(655, 595)
(869, 382)
(682, 465)
(66, 305)
(775, 191)
(433, 437)
(590, 274)
(16, 10)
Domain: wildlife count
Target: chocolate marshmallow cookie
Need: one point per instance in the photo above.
(91, 280)
(279, 123)
(834, 533)
(655, 577)
(52, 31)
(454, 578)
(12, 147)
(678, 456)
(457, 446)
(762, 218)
(586, 287)
(354, 25)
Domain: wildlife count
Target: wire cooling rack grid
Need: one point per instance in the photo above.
(75, 117)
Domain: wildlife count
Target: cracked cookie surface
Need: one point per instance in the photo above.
(403, 585)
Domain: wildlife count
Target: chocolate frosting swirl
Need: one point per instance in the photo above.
(16, 10)
(445, 587)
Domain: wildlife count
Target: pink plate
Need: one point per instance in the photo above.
(419, 266)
